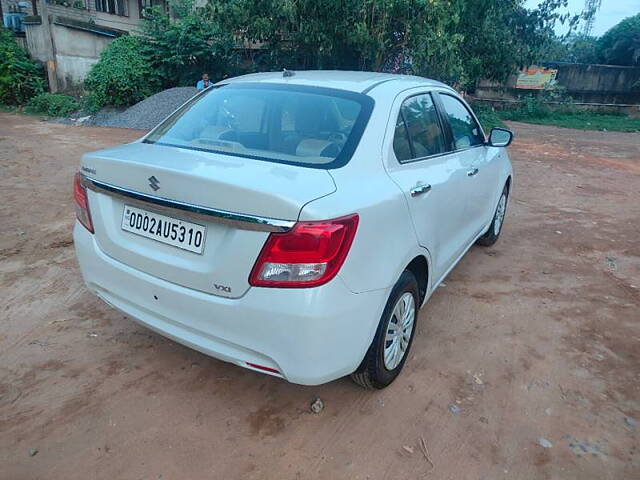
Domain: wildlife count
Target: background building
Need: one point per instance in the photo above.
(68, 35)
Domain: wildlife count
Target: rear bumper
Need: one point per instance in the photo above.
(311, 336)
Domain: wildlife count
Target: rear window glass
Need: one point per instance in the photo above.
(308, 126)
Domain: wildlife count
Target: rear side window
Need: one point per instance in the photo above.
(465, 130)
(309, 126)
(418, 132)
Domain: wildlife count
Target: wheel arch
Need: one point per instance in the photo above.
(419, 266)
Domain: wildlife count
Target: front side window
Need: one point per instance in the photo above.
(465, 130)
(309, 126)
(418, 132)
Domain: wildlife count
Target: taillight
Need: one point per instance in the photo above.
(262, 367)
(82, 203)
(308, 255)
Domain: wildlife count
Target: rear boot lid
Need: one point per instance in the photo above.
(237, 200)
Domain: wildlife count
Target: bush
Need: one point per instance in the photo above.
(538, 105)
(52, 104)
(487, 116)
(532, 106)
(123, 75)
(20, 77)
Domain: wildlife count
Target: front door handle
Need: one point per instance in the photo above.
(472, 172)
(420, 189)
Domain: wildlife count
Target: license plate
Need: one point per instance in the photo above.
(178, 233)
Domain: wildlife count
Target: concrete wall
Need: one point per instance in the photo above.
(37, 42)
(603, 84)
(75, 53)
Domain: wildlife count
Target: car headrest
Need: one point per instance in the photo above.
(312, 147)
(213, 132)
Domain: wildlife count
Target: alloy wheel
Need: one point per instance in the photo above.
(399, 329)
(500, 211)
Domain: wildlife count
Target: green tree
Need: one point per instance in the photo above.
(188, 40)
(621, 44)
(502, 35)
(574, 48)
(20, 77)
(451, 40)
(393, 35)
(582, 49)
(447, 39)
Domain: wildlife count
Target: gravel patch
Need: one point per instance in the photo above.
(143, 115)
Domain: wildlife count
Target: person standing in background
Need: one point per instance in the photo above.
(204, 83)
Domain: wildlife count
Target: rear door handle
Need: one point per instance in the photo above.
(472, 172)
(420, 189)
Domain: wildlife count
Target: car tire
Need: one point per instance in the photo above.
(390, 347)
(493, 233)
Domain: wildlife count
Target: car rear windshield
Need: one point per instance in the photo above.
(308, 126)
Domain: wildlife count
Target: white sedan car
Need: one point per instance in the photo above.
(293, 223)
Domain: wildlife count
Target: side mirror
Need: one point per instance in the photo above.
(500, 137)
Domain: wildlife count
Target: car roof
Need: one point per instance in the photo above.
(361, 82)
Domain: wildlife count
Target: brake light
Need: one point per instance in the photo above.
(308, 255)
(82, 203)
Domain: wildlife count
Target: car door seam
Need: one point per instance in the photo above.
(335, 189)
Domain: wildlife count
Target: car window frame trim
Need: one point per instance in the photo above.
(406, 132)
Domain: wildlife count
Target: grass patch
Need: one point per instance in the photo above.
(488, 117)
(533, 109)
(8, 108)
(579, 120)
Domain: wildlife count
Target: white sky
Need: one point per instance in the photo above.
(610, 13)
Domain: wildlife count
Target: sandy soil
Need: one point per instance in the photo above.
(535, 338)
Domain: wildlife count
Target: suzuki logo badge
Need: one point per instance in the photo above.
(154, 183)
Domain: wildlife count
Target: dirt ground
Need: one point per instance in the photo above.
(535, 338)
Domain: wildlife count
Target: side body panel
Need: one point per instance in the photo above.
(439, 214)
(487, 183)
(484, 165)
(385, 242)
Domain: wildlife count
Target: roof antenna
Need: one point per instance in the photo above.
(287, 73)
